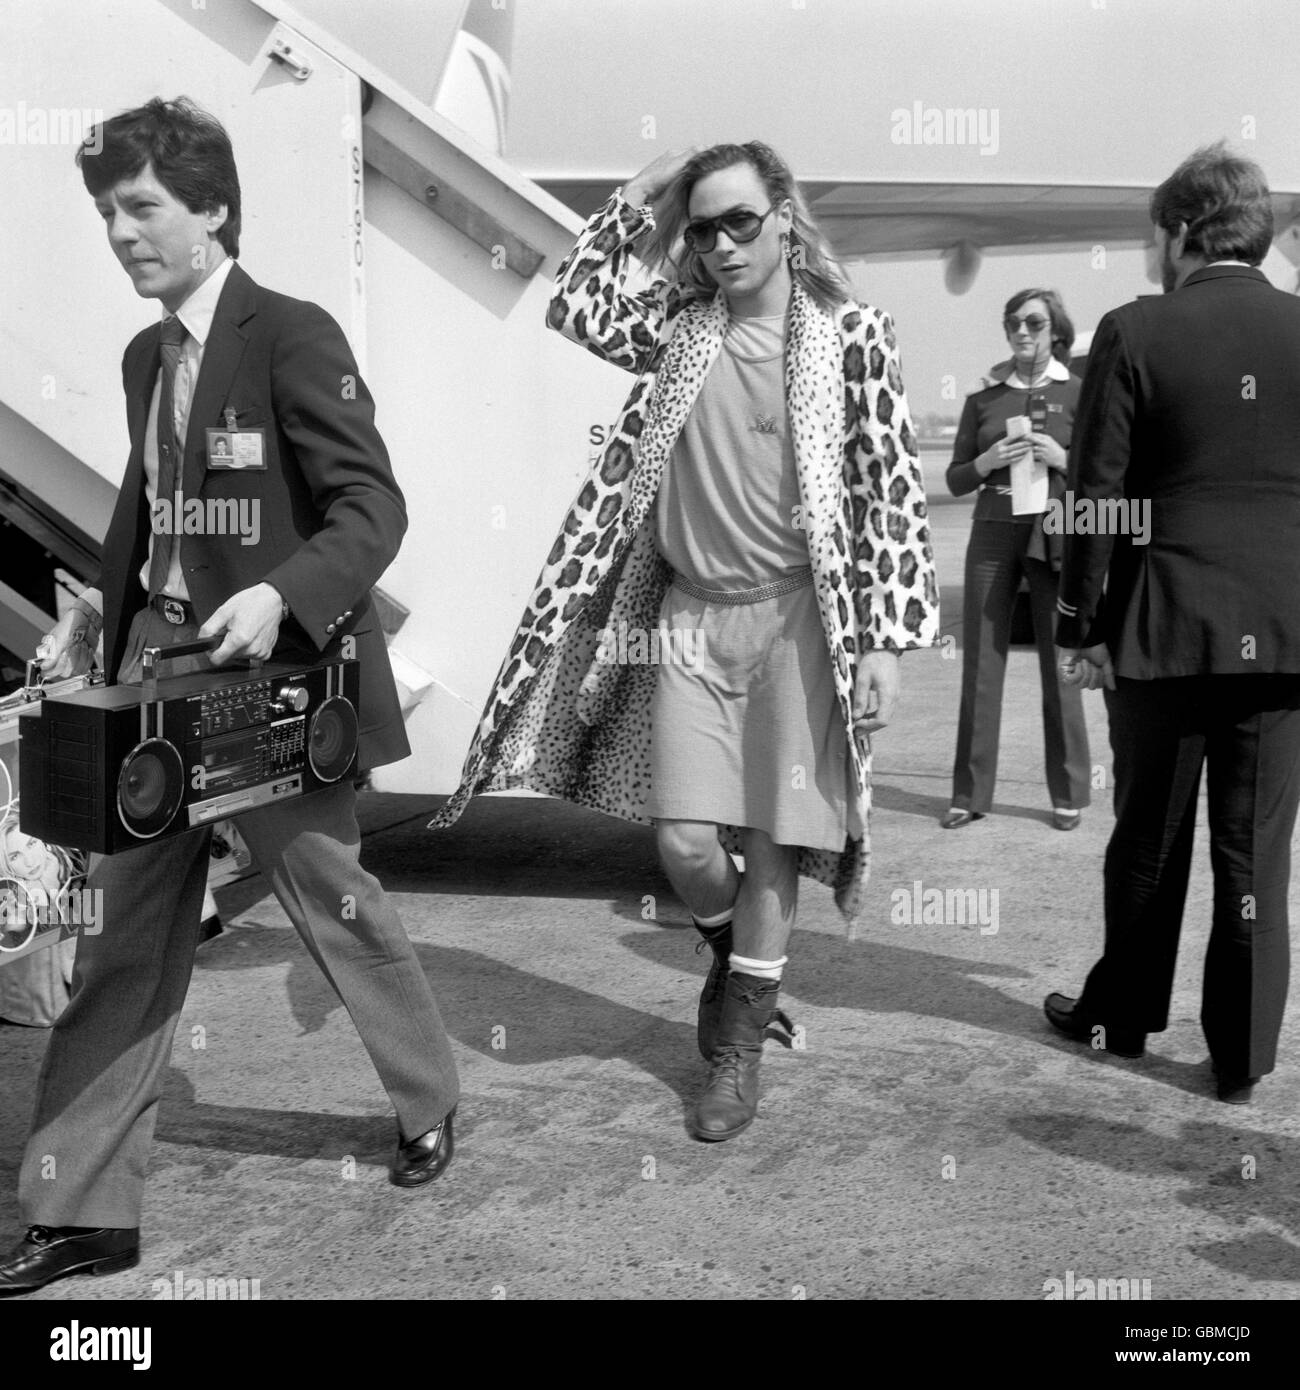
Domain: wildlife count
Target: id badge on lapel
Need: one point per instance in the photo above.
(233, 448)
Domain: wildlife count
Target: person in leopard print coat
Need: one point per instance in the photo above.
(564, 718)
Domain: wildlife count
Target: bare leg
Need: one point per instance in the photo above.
(769, 897)
(701, 871)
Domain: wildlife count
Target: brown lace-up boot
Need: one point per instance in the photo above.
(730, 1098)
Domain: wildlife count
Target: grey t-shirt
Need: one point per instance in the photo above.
(728, 513)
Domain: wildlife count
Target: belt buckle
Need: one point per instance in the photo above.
(173, 611)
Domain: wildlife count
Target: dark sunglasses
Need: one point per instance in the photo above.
(1035, 323)
(741, 227)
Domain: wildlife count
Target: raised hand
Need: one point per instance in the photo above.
(645, 187)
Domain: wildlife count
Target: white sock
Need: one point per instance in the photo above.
(712, 923)
(763, 969)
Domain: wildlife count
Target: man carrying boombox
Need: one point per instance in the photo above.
(274, 381)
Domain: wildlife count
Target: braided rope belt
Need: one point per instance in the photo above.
(796, 579)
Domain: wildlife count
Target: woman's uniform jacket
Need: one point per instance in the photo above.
(565, 719)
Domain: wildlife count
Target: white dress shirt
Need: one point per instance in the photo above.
(196, 314)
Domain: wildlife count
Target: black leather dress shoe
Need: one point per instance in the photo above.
(49, 1252)
(1235, 1090)
(1064, 1014)
(955, 818)
(421, 1160)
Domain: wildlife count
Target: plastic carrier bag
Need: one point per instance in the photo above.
(34, 988)
(36, 884)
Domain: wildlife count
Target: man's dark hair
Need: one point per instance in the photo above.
(188, 150)
(1224, 201)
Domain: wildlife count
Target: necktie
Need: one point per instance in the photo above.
(169, 454)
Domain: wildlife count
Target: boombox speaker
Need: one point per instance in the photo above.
(113, 767)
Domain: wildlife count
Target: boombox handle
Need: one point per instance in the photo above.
(153, 655)
(34, 687)
(33, 682)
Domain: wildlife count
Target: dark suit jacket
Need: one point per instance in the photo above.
(331, 514)
(1191, 401)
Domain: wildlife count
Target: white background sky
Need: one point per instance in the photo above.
(1100, 91)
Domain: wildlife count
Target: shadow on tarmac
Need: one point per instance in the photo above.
(1215, 1158)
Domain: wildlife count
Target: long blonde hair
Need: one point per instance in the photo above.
(811, 261)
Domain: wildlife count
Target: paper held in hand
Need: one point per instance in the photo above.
(1028, 476)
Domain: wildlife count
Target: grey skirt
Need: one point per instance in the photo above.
(745, 728)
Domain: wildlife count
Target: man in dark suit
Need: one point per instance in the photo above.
(276, 377)
(1189, 420)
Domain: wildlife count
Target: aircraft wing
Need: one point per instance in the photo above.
(865, 218)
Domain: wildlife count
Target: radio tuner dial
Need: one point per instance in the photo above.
(290, 699)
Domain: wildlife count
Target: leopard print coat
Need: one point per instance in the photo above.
(563, 719)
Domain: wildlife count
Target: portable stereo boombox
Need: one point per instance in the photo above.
(112, 767)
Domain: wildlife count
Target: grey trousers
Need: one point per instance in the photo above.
(102, 1078)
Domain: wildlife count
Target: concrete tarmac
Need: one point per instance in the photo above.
(932, 1139)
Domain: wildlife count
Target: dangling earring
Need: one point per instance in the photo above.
(785, 245)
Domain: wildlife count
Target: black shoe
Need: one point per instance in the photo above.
(1064, 1015)
(1065, 819)
(421, 1160)
(955, 818)
(50, 1252)
(1235, 1090)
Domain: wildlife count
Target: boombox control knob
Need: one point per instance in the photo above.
(290, 699)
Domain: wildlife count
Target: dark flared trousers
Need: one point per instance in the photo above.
(1245, 730)
(995, 561)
